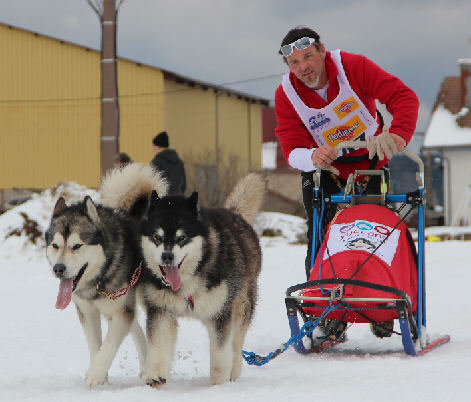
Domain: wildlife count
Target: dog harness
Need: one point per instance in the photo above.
(121, 292)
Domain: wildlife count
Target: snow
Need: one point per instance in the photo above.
(451, 232)
(443, 130)
(44, 354)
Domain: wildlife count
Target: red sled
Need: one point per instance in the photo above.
(366, 243)
(367, 268)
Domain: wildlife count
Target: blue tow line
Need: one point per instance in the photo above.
(256, 360)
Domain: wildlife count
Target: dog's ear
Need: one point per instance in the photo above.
(193, 199)
(59, 207)
(192, 202)
(91, 210)
(154, 199)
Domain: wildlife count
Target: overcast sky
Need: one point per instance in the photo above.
(226, 41)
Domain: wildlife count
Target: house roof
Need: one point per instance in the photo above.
(443, 130)
(168, 75)
(450, 124)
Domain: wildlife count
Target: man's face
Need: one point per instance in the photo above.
(308, 65)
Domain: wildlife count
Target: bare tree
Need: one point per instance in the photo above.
(213, 174)
(107, 12)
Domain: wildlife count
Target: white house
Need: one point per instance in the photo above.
(449, 132)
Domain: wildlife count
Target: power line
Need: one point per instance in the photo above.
(201, 84)
(265, 77)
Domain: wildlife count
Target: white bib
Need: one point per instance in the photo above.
(346, 118)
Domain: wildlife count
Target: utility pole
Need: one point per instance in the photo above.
(107, 12)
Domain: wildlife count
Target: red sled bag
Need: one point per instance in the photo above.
(353, 235)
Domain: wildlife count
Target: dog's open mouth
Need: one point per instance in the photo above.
(171, 275)
(66, 287)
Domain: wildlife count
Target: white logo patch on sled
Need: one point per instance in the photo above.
(363, 235)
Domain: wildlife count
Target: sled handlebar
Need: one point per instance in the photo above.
(364, 144)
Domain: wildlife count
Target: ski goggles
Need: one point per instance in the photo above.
(300, 44)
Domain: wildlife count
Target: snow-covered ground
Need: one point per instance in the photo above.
(44, 356)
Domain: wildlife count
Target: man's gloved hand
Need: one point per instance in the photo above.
(385, 143)
(323, 157)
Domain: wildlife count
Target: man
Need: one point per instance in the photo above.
(169, 163)
(329, 97)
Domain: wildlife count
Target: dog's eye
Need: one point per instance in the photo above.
(181, 239)
(158, 239)
(55, 246)
(76, 246)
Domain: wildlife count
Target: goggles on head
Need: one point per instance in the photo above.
(300, 44)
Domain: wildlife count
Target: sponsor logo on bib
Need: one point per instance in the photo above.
(318, 120)
(346, 132)
(346, 107)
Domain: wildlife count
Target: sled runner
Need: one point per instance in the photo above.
(366, 270)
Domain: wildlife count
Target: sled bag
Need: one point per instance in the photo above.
(352, 236)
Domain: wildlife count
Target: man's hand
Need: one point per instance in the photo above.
(385, 143)
(323, 156)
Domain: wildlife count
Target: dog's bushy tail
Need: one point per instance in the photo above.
(124, 187)
(247, 196)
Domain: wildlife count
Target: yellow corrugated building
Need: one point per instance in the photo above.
(50, 113)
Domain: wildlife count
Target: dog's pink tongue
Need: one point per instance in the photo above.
(65, 293)
(172, 275)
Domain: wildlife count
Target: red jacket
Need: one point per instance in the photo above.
(369, 82)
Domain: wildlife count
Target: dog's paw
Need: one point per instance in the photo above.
(94, 378)
(218, 379)
(156, 383)
(235, 374)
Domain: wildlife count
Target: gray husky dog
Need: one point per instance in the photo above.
(95, 252)
(202, 263)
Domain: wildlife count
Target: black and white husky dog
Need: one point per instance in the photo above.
(202, 263)
(94, 249)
